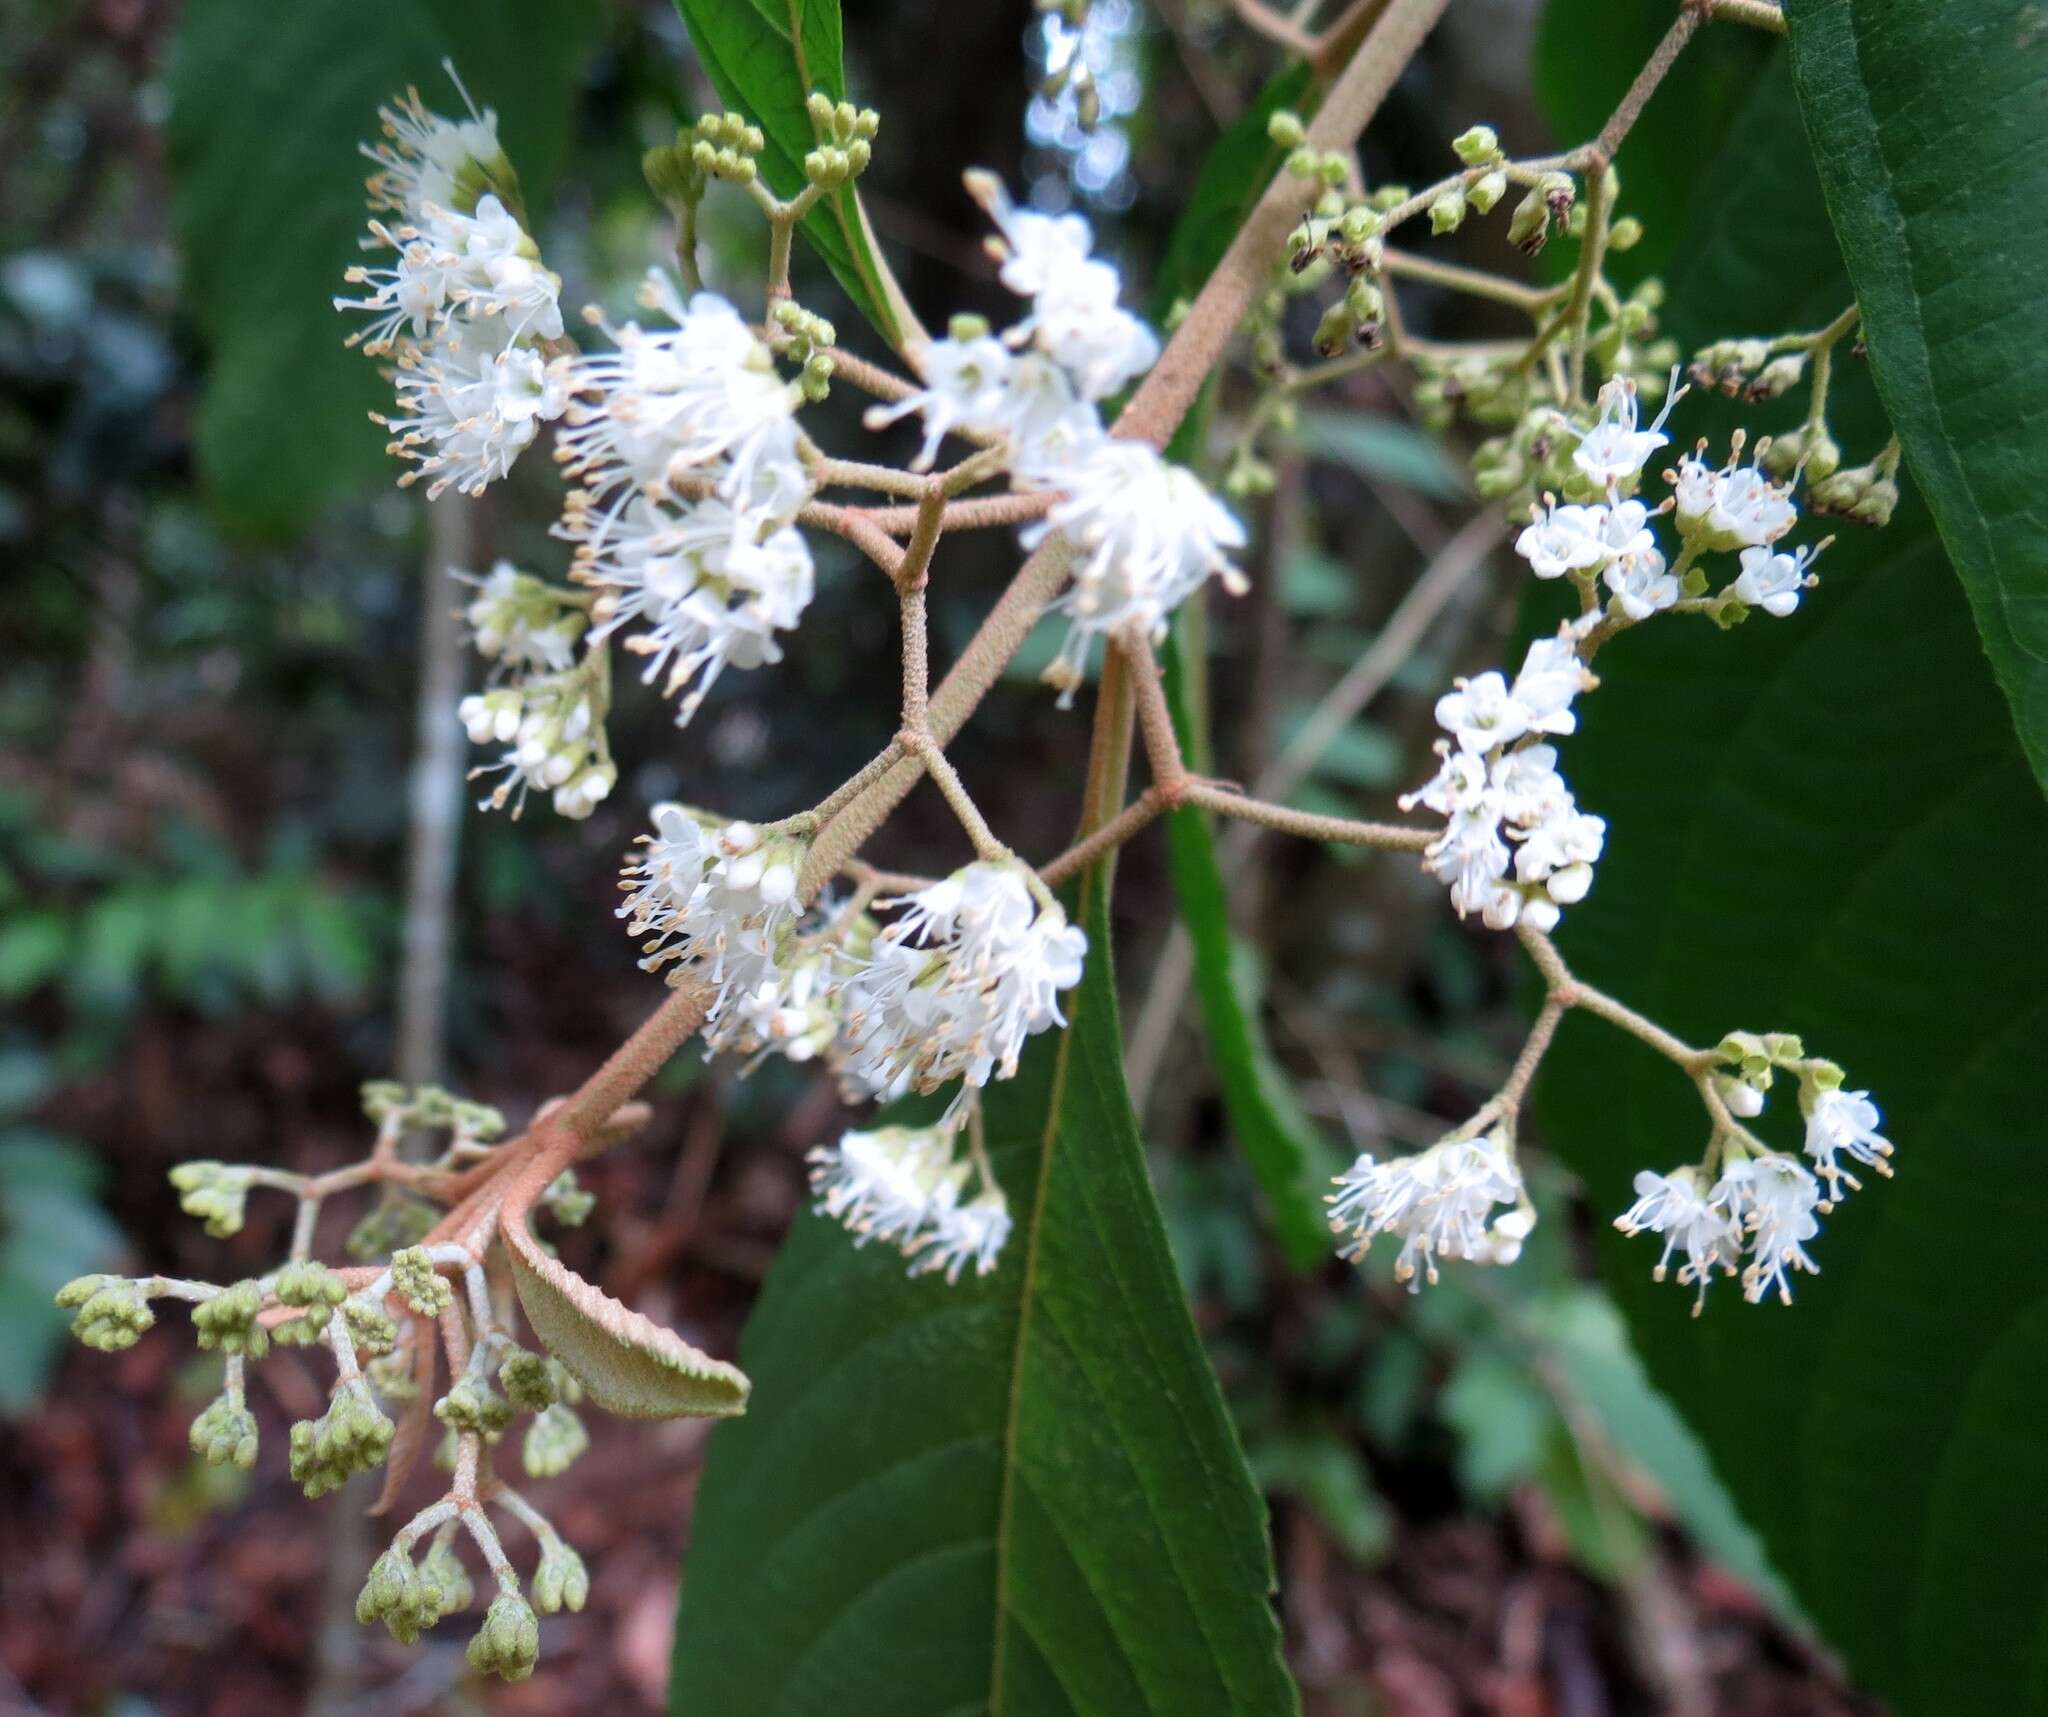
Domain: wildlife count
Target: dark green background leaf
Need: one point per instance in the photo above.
(268, 105)
(1824, 824)
(1285, 1151)
(1928, 124)
(764, 57)
(1020, 1496)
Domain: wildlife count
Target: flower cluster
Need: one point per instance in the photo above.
(1144, 534)
(1762, 1204)
(464, 308)
(903, 1186)
(412, 1301)
(683, 441)
(1441, 1202)
(948, 989)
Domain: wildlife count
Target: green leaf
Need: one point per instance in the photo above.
(1383, 448)
(51, 1229)
(765, 57)
(629, 1364)
(1927, 124)
(32, 949)
(268, 105)
(1018, 1496)
(1286, 1152)
(1823, 823)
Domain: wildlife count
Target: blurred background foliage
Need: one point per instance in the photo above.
(210, 631)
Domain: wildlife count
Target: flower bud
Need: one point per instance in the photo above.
(1447, 212)
(527, 1382)
(561, 1582)
(1625, 234)
(472, 1405)
(1487, 190)
(228, 1321)
(225, 1434)
(415, 1280)
(1529, 226)
(351, 1437)
(553, 1442)
(215, 1193)
(1286, 129)
(508, 1644)
(1477, 146)
(445, 1581)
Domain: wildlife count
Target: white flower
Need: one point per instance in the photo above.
(966, 386)
(1560, 851)
(426, 159)
(1077, 322)
(1482, 713)
(1774, 1198)
(1737, 506)
(469, 403)
(408, 297)
(788, 1007)
(884, 1185)
(554, 743)
(1844, 1123)
(1552, 676)
(1438, 1202)
(1641, 584)
(1701, 1226)
(708, 587)
(1144, 535)
(1459, 784)
(1770, 581)
(672, 401)
(1614, 450)
(717, 903)
(516, 619)
(959, 1234)
(1035, 250)
(1075, 317)
(1564, 539)
(1528, 784)
(952, 988)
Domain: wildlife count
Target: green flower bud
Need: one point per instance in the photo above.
(419, 1284)
(1249, 477)
(565, 1198)
(1333, 169)
(215, 1193)
(390, 1226)
(1625, 234)
(473, 1405)
(1487, 190)
(1477, 146)
(382, 1098)
(447, 1581)
(225, 1434)
(1286, 129)
(1303, 162)
(858, 154)
(819, 106)
(1529, 225)
(1447, 213)
(111, 1312)
(228, 1321)
(350, 1437)
(395, 1595)
(561, 1582)
(554, 1441)
(1388, 197)
(391, 1376)
(527, 1382)
(508, 1644)
(866, 123)
(372, 1329)
(1333, 332)
(1778, 376)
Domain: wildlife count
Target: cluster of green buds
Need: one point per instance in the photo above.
(846, 137)
(1863, 494)
(718, 146)
(387, 1324)
(1749, 1063)
(1749, 369)
(808, 340)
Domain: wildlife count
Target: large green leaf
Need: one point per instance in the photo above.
(268, 105)
(1823, 823)
(1927, 124)
(1019, 1496)
(765, 57)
